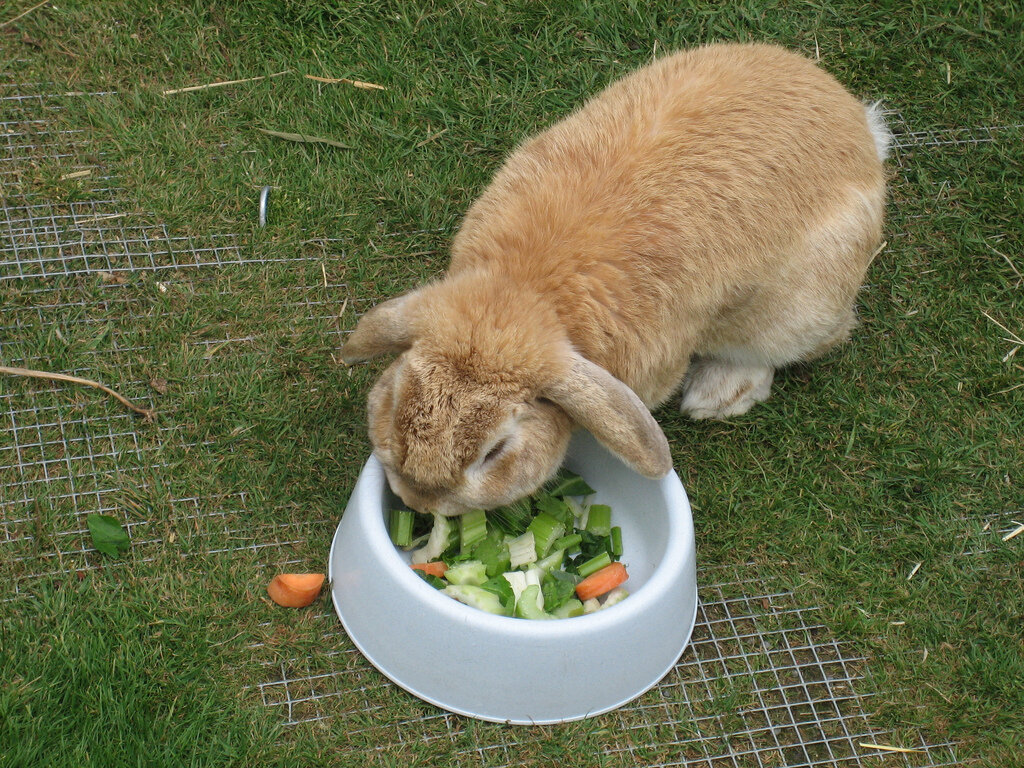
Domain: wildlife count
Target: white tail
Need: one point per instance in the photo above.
(879, 130)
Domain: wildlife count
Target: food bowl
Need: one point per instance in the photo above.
(512, 670)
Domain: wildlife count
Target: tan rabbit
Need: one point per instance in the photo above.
(700, 223)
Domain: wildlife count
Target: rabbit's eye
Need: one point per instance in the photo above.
(496, 449)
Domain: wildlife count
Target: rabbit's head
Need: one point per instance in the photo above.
(478, 407)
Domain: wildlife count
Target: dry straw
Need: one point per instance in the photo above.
(29, 373)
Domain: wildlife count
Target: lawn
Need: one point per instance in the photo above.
(862, 519)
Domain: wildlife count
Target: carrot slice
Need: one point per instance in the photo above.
(436, 568)
(295, 590)
(602, 581)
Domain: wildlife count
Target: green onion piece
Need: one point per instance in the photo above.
(594, 564)
(568, 543)
(400, 527)
(599, 520)
(545, 530)
(472, 528)
(616, 536)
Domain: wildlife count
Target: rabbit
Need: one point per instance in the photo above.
(701, 222)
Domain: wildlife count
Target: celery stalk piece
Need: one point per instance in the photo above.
(552, 562)
(594, 564)
(400, 527)
(471, 572)
(472, 528)
(437, 542)
(567, 610)
(599, 521)
(529, 604)
(522, 550)
(616, 536)
(516, 580)
(476, 597)
(545, 530)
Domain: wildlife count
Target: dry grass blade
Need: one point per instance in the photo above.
(1015, 532)
(354, 83)
(23, 13)
(887, 748)
(76, 175)
(33, 374)
(222, 83)
(303, 139)
(1015, 339)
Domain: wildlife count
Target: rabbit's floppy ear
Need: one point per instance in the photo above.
(612, 413)
(385, 329)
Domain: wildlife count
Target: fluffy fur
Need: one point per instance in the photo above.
(702, 222)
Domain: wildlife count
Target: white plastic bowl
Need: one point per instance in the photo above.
(517, 670)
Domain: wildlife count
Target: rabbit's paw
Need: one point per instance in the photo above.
(717, 389)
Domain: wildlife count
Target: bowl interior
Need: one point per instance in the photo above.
(638, 508)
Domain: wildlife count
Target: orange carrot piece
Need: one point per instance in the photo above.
(295, 590)
(436, 568)
(602, 581)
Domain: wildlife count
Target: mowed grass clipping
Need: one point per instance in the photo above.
(877, 483)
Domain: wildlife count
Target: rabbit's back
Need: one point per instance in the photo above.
(666, 202)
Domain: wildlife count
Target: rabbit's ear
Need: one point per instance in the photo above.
(612, 413)
(385, 329)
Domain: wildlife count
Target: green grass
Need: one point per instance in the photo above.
(891, 452)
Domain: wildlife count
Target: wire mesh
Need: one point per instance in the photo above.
(796, 687)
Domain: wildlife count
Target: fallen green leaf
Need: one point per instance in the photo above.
(107, 534)
(303, 139)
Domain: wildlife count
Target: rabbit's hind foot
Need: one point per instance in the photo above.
(718, 389)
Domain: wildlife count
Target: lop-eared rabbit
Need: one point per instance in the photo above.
(700, 223)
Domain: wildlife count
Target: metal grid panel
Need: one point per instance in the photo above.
(796, 685)
(795, 688)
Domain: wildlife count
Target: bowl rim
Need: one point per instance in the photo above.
(666, 575)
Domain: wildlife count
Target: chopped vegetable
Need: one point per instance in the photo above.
(531, 605)
(530, 559)
(438, 541)
(599, 521)
(400, 527)
(602, 581)
(493, 553)
(436, 568)
(472, 528)
(614, 597)
(468, 572)
(594, 564)
(477, 597)
(295, 590)
(616, 545)
(546, 530)
(522, 550)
